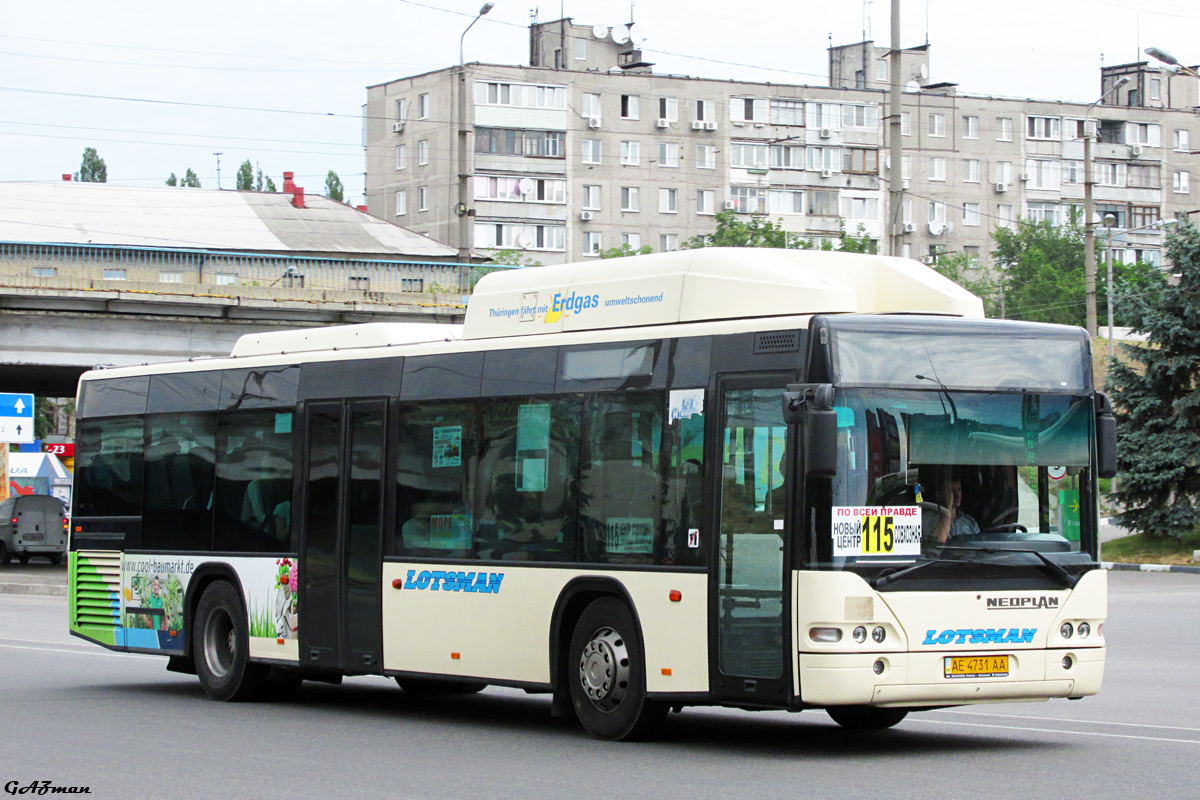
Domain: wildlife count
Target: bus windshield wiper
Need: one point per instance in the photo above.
(1055, 569)
(889, 575)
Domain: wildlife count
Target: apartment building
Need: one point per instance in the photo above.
(587, 149)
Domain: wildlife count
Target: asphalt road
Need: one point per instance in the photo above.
(76, 715)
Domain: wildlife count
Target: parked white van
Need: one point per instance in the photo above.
(33, 525)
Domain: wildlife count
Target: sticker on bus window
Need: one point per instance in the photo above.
(447, 446)
(628, 535)
(876, 530)
(685, 403)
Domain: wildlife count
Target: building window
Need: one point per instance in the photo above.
(748, 109)
(629, 106)
(1143, 216)
(521, 95)
(423, 106)
(971, 170)
(971, 214)
(631, 240)
(824, 158)
(824, 115)
(631, 153)
(629, 198)
(786, 156)
(668, 201)
(668, 242)
(422, 198)
(749, 155)
(823, 204)
(1143, 176)
(1181, 139)
(865, 209)
(591, 243)
(668, 109)
(706, 201)
(1004, 126)
(220, 278)
(591, 197)
(1155, 88)
(401, 204)
(163, 277)
(1042, 174)
(401, 159)
(881, 71)
(860, 116)
(401, 110)
(520, 190)
(860, 160)
(591, 105)
(1109, 173)
(787, 112)
(1004, 172)
(905, 123)
(1044, 212)
(747, 199)
(1148, 134)
(668, 154)
(591, 151)
(937, 213)
(1180, 182)
(1043, 128)
(423, 152)
(937, 125)
(937, 169)
(118, 275)
(970, 129)
(905, 167)
(580, 48)
(1118, 211)
(704, 111)
(1072, 172)
(706, 156)
(511, 142)
(1004, 216)
(906, 210)
(786, 201)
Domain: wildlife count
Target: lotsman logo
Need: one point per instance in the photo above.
(573, 304)
(439, 580)
(981, 636)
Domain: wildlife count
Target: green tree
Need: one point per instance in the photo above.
(333, 187)
(245, 176)
(271, 185)
(172, 181)
(733, 231)
(626, 250)
(259, 185)
(981, 281)
(1155, 390)
(92, 169)
(190, 180)
(514, 258)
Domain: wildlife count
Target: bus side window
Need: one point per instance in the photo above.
(179, 480)
(682, 543)
(434, 512)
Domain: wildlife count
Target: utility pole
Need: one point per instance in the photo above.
(1089, 235)
(218, 155)
(896, 187)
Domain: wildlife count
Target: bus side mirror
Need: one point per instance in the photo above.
(1106, 437)
(810, 405)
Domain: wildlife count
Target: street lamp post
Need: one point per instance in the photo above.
(464, 178)
(485, 9)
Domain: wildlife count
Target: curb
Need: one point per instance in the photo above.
(39, 589)
(1119, 567)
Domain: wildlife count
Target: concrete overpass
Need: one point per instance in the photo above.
(50, 335)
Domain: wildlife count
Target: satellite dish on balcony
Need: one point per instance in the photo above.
(634, 33)
(525, 185)
(937, 228)
(600, 31)
(620, 34)
(949, 228)
(526, 240)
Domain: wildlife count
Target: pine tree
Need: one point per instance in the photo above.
(190, 180)
(172, 181)
(245, 177)
(333, 187)
(1157, 403)
(92, 169)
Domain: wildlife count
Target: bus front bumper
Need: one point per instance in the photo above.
(918, 679)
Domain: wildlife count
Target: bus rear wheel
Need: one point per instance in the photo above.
(221, 644)
(607, 675)
(866, 718)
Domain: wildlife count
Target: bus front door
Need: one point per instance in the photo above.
(750, 664)
(341, 563)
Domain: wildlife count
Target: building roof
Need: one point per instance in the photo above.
(71, 212)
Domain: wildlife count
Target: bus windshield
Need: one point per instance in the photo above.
(926, 474)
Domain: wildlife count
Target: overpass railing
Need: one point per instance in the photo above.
(251, 276)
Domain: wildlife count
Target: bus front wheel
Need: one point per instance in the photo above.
(606, 671)
(866, 718)
(221, 644)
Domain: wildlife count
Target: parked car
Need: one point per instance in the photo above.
(33, 525)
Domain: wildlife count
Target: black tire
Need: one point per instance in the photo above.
(607, 676)
(55, 558)
(23, 558)
(426, 687)
(5, 556)
(866, 718)
(221, 646)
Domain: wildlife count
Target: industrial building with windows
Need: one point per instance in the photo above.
(588, 149)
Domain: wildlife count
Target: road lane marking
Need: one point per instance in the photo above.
(77, 652)
(1054, 730)
(71, 643)
(1074, 721)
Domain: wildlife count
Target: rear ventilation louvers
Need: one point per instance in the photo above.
(98, 588)
(776, 342)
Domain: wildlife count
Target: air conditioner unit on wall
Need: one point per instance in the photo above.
(1135, 151)
(826, 133)
(697, 125)
(826, 173)
(593, 122)
(909, 227)
(397, 127)
(1024, 176)
(1001, 186)
(904, 184)
(585, 216)
(730, 205)
(710, 126)
(664, 123)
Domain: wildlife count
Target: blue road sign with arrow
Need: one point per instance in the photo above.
(16, 418)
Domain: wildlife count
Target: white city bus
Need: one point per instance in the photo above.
(753, 478)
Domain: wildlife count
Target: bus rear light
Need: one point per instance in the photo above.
(675, 595)
(1084, 630)
(666, 671)
(860, 634)
(397, 583)
(878, 667)
(1066, 630)
(827, 635)
(878, 634)
(454, 656)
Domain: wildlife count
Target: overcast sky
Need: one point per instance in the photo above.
(158, 87)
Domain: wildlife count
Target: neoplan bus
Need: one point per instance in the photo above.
(751, 478)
